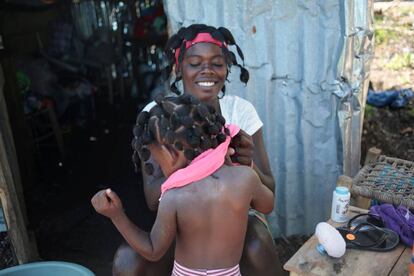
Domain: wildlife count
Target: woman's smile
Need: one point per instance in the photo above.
(206, 83)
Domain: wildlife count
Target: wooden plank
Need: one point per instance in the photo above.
(308, 261)
(22, 147)
(402, 266)
(9, 180)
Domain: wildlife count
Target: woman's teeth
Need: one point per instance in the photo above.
(206, 83)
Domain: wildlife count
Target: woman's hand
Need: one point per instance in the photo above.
(241, 149)
(245, 148)
(107, 203)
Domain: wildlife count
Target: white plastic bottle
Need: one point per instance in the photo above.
(340, 204)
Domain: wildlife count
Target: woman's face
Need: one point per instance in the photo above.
(204, 71)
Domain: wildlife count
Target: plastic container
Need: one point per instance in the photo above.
(47, 269)
(340, 204)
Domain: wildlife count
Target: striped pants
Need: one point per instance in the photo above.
(180, 270)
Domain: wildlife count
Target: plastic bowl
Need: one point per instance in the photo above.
(47, 269)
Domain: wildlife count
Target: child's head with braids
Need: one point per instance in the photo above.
(177, 127)
(201, 57)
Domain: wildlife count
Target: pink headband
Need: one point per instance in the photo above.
(200, 37)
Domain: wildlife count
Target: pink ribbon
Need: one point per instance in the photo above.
(202, 166)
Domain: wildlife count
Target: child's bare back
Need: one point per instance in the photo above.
(204, 208)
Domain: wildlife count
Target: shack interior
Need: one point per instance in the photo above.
(76, 74)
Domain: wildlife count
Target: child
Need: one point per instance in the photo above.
(204, 203)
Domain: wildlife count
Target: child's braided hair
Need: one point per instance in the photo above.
(178, 41)
(182, 122)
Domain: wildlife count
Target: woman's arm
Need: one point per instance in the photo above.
(262, 198)
(251, 148)
(261, 161)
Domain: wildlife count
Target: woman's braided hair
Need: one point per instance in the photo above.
(178, 41)
(182, 122)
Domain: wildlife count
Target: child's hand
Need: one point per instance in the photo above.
(107, 203)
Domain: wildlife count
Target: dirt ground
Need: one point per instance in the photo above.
(391, 130)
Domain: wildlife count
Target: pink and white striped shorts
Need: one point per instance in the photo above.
(180, 270)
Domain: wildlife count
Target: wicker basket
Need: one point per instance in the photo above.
(388, 180)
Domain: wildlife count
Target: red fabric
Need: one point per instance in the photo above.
(201, 37)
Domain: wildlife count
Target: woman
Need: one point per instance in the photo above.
(200, 57)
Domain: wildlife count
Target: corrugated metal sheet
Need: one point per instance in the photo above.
(308, 62)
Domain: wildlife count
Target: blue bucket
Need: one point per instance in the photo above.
(47, 269)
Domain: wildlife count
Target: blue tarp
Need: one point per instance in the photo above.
(393, 98)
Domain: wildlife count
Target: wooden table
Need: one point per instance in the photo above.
(308, 261)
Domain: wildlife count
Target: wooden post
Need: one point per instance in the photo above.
(372, 156)
(9, 181)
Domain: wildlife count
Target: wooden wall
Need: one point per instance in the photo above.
(23, 32)
(10, 184)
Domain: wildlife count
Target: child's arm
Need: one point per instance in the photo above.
(262, 197)
(151, 246)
